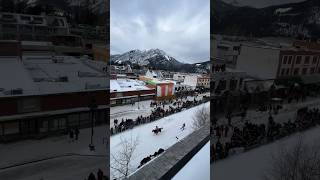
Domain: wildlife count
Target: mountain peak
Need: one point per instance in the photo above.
(142, 57)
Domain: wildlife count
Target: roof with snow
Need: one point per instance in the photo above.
(38, 75)
(125, 85)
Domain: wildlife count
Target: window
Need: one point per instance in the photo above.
(287, 73)
(28, 105)
(307, 60)
(223, 48)
(233, 84)
(25, 18)
(282, 71)
(11, 128)
(58, 123)
(285, 59)
(25, 28)
(298, 60)
(304, 71)
(222, 85)
(314, 61)
(7, 16)
(73, 120)
(290, 59)
(44, 125)
(296, 71)
(312, 70)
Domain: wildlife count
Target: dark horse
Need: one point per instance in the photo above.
(157, 130)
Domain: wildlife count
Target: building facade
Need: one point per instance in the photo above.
(298, 63)
(31, 27)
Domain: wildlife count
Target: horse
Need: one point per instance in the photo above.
(157, 130)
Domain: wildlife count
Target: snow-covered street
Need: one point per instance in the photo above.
(288, 112)
(148, 142)
(141, 108)
(254, 163)
(64, 159)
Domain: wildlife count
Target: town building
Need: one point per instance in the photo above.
(128, 91)
(165, 89)
(298, 62)
(31, 27)
(43, 93)
(264, 59)
(229, 80)
(197, 80)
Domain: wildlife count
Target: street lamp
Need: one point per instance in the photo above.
(139, 100)
(92, 106)
(138, 97)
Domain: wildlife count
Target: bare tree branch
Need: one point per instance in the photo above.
(301, 162)
(201, 118)
(122, 159)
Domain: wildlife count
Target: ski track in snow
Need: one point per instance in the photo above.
(148, 142)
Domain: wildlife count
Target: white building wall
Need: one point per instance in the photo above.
(191, 80)
(158, 91)
(259, 62)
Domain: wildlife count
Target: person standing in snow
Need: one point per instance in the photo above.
(100, 174)
(92, 177)
(71, 135)
(183, 126)
(76, 132)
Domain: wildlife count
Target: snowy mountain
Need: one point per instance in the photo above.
(144, 57)
(294, 19)
(153, 58)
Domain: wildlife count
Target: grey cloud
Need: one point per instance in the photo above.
(179, 27)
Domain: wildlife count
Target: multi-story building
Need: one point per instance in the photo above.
(31, 27)
(226, 49)
(197, 80)
(298, 62)
(264, 59)
(276, 62)
(127, 91)
(165, 89)
(44, 94)
(229, 80)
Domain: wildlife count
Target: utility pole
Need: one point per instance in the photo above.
(92, 106)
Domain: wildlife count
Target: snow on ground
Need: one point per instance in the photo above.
(30, 150)
(282, 10)
(148, 142)
(139, 108)
(253, 164)
(198, 167)
(289, 111)
(66, 168)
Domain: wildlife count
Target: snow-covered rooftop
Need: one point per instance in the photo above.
(36, 75)
(124, 85)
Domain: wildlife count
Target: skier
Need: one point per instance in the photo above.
(183, 126)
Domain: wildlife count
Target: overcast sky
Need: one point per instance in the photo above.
(262, 3)
(179, 27)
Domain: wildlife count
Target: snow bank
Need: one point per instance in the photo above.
(254, 163)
